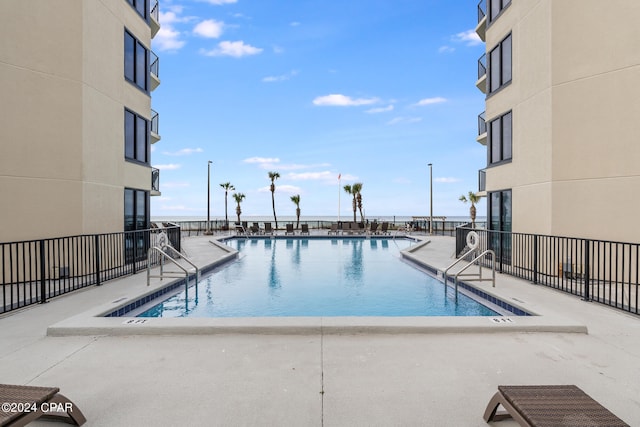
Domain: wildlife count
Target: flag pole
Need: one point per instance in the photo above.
(339, 176)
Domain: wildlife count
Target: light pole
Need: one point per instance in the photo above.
(430, 198)
(209, 232)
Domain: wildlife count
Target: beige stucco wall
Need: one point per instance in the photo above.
(575, 92)
(62, 168)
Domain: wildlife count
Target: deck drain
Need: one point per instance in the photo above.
(134, 321)
(118, 300)
(501, 320)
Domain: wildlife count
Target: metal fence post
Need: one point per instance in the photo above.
(43, 287)
(535, 259)
(97, 260)
(587, 269)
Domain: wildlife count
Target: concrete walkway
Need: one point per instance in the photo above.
(315, 379)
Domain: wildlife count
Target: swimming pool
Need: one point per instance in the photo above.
(317, 277)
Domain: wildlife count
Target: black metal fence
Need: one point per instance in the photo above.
(596, 270)
(36, 270)
(440, 228)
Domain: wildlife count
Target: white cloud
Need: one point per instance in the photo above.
(168, 167)
(168, 40)
(175, 184)
(290, 189)
(343, 101)
(380, 110)
(220, 2)
(294, 24)
(430, 101)
(183, 152)
(280, 78)
(327, 176)
(446, 49)
(404, 120)
(469, 37)
(210, 29)
(447, 180)
(235, 49)
(262, 160)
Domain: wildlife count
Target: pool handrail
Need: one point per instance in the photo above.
(469, 264)
(163, 254)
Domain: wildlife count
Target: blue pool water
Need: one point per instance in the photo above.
(318, 277)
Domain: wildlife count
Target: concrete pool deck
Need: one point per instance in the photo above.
(338, 378)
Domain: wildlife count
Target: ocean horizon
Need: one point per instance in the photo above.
(292, 218)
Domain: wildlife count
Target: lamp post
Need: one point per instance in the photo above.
(209, 232)
(430, 198)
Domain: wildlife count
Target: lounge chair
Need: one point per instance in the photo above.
(289, 230)
(267, 228)
(374, 228)
(305, 229)
(240, 229)
(333, 229)
(384, 228)
(549, 405)
(44, 402)
(255, 228)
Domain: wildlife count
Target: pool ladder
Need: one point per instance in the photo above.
(164, 254)
(478, 275)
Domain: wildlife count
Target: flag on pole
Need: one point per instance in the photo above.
(339, 175)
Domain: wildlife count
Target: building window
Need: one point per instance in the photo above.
(499, 206)
(500, 65)
(500, 136)
(141, 6)
(136, 62)
(496, 7)
(136, 137)
(136, 209)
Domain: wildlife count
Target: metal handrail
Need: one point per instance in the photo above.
(164, 255)
(479, 274)
(154, 68)
(155, 11)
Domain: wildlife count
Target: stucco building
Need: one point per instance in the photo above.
(76, 122)
(562, 85)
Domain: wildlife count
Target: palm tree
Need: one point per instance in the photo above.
(357, 188)
(350, 190)
(296, 199)
(473, 198)
(238, 197)
(273, 176)
(227, 186)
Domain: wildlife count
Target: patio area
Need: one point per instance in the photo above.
(443, 377)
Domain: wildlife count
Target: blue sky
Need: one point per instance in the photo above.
(372, 90)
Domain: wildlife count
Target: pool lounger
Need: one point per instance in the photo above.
(22, 404)
(549, 405)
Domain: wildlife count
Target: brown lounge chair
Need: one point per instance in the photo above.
(549, 405)
(42, 402)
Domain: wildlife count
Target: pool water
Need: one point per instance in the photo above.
(318, 277)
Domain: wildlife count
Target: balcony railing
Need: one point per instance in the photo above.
(154, 21)
(155, 180)
(482, 180)
(155, 10)
(482, 10)
(482, 66)
(155, 64)
(155, 121)
(482, 124)
(154, 69)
